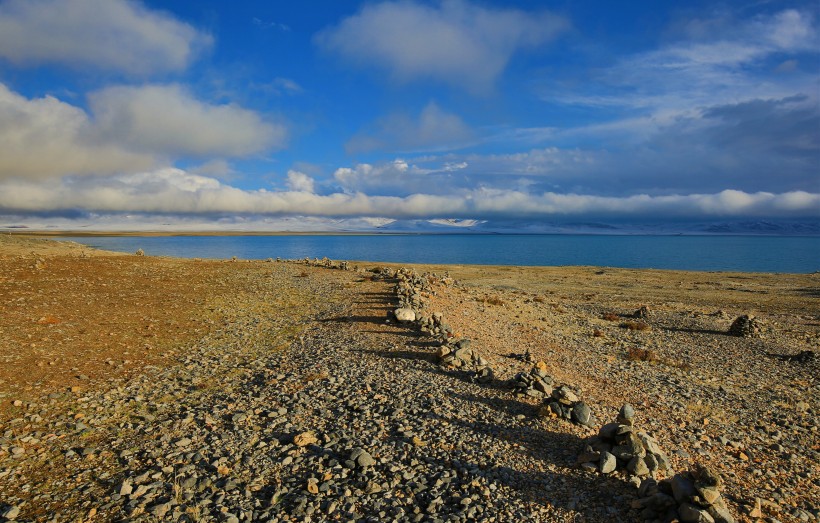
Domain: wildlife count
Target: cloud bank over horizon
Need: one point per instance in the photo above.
(174, 191)
(407, 110)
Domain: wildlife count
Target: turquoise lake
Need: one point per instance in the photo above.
(701, 253)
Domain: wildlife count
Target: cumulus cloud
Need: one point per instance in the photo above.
(298, 181)
(44, 138)
(129, 129)
(456, 42)
(118, 35)
(434, 129)
(167, 119)
(174, 191)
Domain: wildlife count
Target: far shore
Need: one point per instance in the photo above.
(69, 233)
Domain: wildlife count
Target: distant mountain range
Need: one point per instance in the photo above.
(773, 227)
(762, 227)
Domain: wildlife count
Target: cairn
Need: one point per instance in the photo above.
(618, 447)
(688, 497)
(459, 355)
(561, 401)
(746, 326)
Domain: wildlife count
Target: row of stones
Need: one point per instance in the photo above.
(692, 496)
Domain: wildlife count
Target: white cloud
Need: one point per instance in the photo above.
(434, 129)
(44, 137)
(168, 119)
(176, 192)
(130, 129)
(456, 42)
(117, 35)
(298, 181)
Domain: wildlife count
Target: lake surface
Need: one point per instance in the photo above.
(702, 253)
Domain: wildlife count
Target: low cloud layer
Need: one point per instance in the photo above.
(456, 42)
(118, 35)
(174, 191)
(129, 129)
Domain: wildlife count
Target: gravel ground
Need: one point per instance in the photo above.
(301, 400)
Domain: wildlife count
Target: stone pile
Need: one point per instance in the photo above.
(434, 325)
(454, 353)
(536, 383)
(688, 497)
(746, 326)
(459, 355)
(561, 400)
(618, 446)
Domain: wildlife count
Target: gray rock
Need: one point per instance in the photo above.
(626, 413)
(608, 463)
(683, 488)
(692, 514)
(362, 458)
(637, 466)
(721, 514)
(581, 413)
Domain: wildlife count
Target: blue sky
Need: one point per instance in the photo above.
(126, 112)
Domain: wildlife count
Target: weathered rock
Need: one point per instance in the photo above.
(405, 315)
(305, 438)
(608, 463)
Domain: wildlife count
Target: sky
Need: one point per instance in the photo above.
(244, 114)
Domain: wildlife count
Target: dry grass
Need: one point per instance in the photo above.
(635, 326)
(493, 300)
(639, 354)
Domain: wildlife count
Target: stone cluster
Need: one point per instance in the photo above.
(746, 326)
(453, 352)
(459, 355)
(561, 400)
(688, 497)
(618, 446)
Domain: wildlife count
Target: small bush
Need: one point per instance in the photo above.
(639, 354)
(635, 325)
(611, 316)
(598, 334)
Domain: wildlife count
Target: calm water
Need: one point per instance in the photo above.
(703, 253)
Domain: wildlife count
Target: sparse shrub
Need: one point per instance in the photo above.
(539, 299)
(597, 333)
(611, 316)
(635, 325)
(639, 354)
(494, 300)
